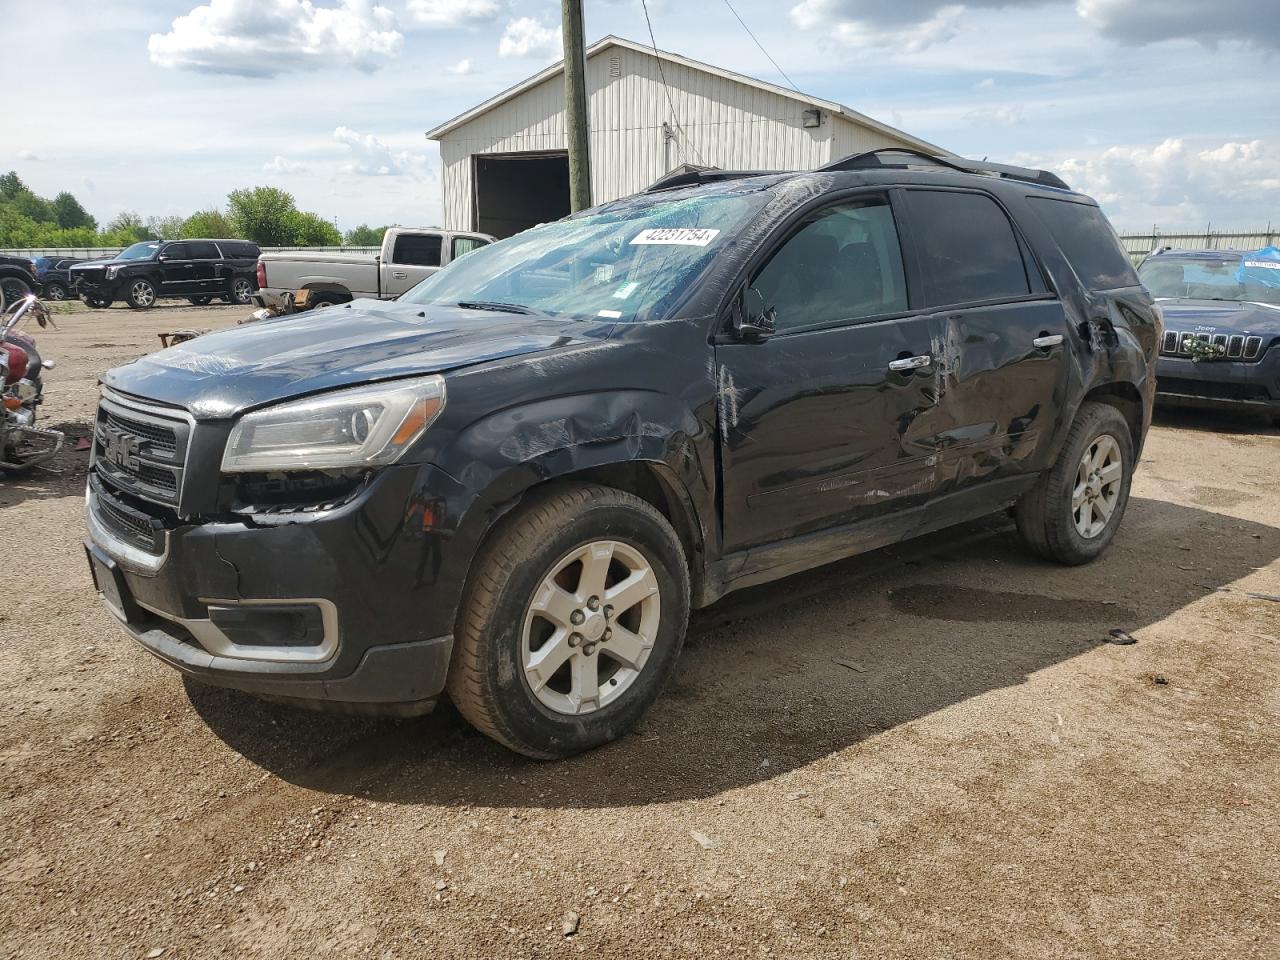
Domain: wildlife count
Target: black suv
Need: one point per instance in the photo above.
(514, 482)
(199, 270)
(53, 274)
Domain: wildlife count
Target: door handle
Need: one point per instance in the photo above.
(1044, 343)
(399, 275)
(910, 363)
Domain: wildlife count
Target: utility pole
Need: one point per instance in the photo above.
(575, 103)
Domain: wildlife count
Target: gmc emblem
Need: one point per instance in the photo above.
(121, 448)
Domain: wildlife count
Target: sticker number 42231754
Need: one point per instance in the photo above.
(676, 236)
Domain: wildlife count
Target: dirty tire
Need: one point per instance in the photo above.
(1044, 513)
(487, 680)
(199, 301)
(140, 293)
(326, 300)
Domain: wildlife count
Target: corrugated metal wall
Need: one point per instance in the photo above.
(722, 123)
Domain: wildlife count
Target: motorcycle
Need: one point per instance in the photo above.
(22, 443)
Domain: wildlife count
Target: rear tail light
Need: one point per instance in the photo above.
(262, 274)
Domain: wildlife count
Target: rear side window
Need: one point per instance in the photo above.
(1087, 241)
(176, 251)
(202, 250)
(238, 249)
(417, 250)
(968, 250)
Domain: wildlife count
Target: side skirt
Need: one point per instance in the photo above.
(783, 558)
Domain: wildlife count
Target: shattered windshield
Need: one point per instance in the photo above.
(1200, 278)
(626, 263)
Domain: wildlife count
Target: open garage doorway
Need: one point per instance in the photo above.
(515, 191)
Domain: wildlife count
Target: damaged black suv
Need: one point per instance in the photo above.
(513, 483)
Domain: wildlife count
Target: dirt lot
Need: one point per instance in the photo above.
(929, 751)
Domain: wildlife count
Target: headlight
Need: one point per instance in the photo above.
(363, 427)
(111, 272)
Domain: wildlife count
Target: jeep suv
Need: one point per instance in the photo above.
(197, 270)
(513, 483)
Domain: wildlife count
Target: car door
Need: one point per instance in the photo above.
(177, 272)
(828, 420)
(414, 257)
(1002, 337)
(207, 272)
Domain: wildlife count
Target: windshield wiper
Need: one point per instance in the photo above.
(494, 305)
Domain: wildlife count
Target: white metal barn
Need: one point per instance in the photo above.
(505, 166)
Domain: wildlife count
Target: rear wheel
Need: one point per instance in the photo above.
(572, 621)
(325, 300)
(140, 293)
(241, 291)
(199, 301)
(55, 291)
(98, 302)
(1074, 510)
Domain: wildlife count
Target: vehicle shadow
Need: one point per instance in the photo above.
(62, 477)
(782, 675)
(1214, 421)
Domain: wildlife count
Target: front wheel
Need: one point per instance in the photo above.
(199, 301)
(13, 289)
(141, 294)
(98, 302)
(55, 291)
(1074, 510)
(572, 620)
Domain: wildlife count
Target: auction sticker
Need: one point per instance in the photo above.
(677, 236)
(1264, 264)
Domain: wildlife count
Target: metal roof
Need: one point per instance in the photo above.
(836, 109)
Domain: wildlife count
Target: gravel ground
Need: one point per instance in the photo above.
(928, 751)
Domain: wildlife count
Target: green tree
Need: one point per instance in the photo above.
(265, 215)
(365, 236)
(312, 230)
(209, 223)
(165, 228)
(70, 214)
(125, 229)
(11, 185)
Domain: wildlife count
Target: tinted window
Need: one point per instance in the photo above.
(968, 250)
(238, 249)
(421, 250)
(202, 250)
(463, 245)
(844, 264)
(1087, 241)
(176, 251)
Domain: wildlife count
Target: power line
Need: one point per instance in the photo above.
(761, 46)
(667, 90)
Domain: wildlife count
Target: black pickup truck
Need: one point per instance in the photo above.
(512, 483)
(17, 278)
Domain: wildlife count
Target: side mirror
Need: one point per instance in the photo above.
(753, 320)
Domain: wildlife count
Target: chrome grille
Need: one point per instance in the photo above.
(1237, 346)
(141, 450)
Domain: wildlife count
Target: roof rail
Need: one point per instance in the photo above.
(872, 159)
(689, 178)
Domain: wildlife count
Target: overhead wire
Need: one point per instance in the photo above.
(667, 90)
(761, 46)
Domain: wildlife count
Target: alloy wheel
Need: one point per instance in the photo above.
(590, 627)
(1097, 487)
(242, 291)
(56, 292)
(143, 294)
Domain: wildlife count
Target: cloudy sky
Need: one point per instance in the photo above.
(1160, 108)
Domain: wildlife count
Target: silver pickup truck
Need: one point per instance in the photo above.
(409, 254)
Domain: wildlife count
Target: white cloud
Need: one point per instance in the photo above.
(1176, 183)
(1253, 22)
(906, 26)
(527, 37)
(282, 166)
(27, 155)
(262, 38)
(1007, 115)
(985, 84)
(455, 13)
(370, 157)
(462, 67)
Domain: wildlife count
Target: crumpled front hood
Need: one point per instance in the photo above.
(1220, 316)
(221, 374)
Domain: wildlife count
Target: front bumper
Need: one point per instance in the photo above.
(349, 610)
(1222, 384)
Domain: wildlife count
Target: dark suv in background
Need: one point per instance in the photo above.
(513, 482)
(53, 274)
(197, 270)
